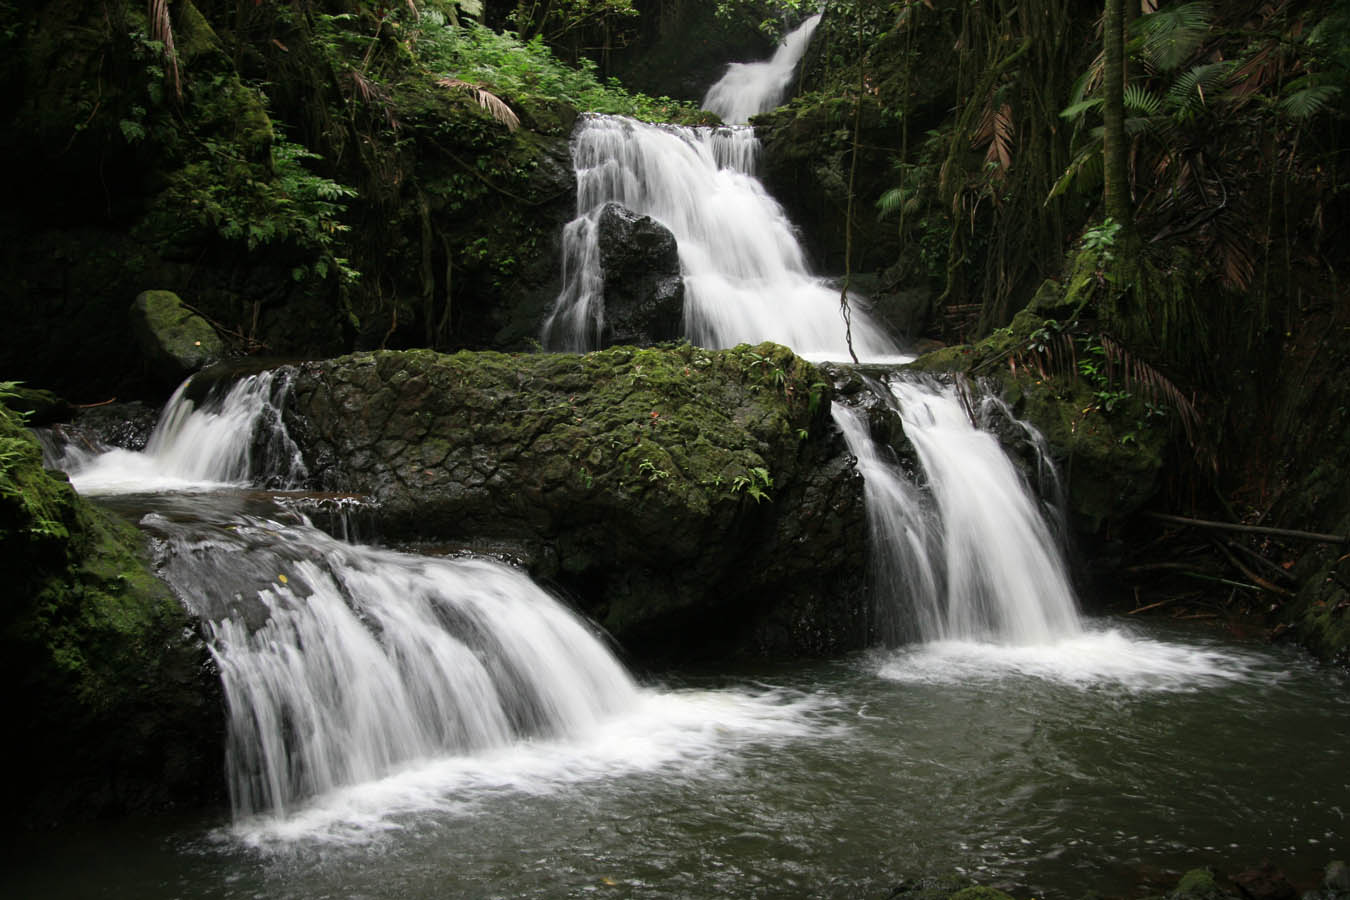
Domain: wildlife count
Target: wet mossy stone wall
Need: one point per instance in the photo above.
(694, 502)
(112, 703)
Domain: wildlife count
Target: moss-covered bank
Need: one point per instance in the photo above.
(112, 702)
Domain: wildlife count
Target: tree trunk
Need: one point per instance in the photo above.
(1116, 191)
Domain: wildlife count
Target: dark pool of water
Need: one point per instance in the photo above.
(1104, 764)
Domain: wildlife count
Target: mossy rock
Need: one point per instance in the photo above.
(176, 341)
(664, 487)
(101, 665)
(1108, 442)
(1199, 884)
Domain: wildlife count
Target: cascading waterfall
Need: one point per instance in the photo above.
(904, 541)
(230, 438)
(746, 278)
(342, 663)
(748, 89)
(974, 557)
(998, 575)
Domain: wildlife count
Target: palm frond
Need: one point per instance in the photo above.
(995, 133)
(161, 30)
(1189, 94)
(1141, 100)
(1078, 109)
(1305, 98)
(1084, 173)
(1168, 38)
(895, 200)
(487, 100)
(1158, 389)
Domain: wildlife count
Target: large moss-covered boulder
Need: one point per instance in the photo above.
(175, 340)
(691, 500)
(108, 690)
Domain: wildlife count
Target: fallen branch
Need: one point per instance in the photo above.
(1139, 609)
(1252, 529)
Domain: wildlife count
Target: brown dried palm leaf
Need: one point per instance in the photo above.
(1159, 389)
(486, 99)
(372, 93)
(161, 29)
(995, 133)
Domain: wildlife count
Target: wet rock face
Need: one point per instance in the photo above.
(692, 501)
(644, 290)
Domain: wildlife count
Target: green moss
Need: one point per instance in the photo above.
(98, 658)
(1198, 884)
(979, 892)
(174, 337)
(1108, 440)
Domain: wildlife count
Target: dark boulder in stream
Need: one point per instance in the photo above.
(693, 501)
(644, 290)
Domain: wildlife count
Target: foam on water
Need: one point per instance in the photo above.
(1109, 657)
(671, 733)
(226, 440)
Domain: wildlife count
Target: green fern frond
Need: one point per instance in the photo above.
(1168, 38)
(892, 201)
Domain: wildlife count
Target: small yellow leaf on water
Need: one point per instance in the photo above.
(196, 343)
(609, 881)
(281, 578)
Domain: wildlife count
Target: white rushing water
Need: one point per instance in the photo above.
(363, 683)
(748, 89)
(365, 660)
(231, 438)
(1006, 578)
(906, 580)
(971, 558)
(968, 564)
(745, 275)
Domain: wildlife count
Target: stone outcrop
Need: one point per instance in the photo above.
(692, 501)
(644, 290)
(175, 340)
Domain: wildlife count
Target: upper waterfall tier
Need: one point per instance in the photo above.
(748, 89)
(745, 275)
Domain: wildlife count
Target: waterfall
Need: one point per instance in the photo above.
(903, 537)
(745, 275)
(748, 89)
(999, 575)
(342, 663)
(231, 437)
